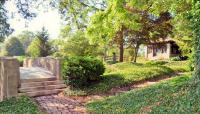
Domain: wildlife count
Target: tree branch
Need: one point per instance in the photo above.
(93, 7)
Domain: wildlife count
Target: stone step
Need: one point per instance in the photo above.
(42, 92)
(42, 83)
(37, 80)
(25, 89)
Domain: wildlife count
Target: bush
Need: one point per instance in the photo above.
(13, 47)
(179, 58)
(34, 48)
(20, 59)
(82, 71)
(175, 59)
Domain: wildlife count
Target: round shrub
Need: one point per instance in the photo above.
(179, 58)
(82, 71)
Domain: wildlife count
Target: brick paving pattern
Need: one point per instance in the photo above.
(54, 104)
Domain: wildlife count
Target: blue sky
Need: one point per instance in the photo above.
(50, 19)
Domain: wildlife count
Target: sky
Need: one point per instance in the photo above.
(50, 19)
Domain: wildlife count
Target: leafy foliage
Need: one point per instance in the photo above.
(5, 28)
(76, 44)
(26, 37)
(13, 47)
(33, 49)
(21, 60)
(40, 47)
(195, 21)
(23, 7)
(124, 24)
(76, 12)
(82, 71)
(21, 105)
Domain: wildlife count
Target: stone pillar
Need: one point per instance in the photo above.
(168, 50)
(58, 69)
(9, 77)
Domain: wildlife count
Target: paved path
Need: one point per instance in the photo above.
(55, 104)
(35, 73)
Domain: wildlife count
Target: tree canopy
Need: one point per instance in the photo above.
(13, 47)
(76, 12)
(122, 18)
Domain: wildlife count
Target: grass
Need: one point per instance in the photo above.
(121, 74)
(21, 105)
(178, 66)
(169, 97)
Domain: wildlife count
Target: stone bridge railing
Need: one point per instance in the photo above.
(9, 77)
(10, 73)
(49, 63)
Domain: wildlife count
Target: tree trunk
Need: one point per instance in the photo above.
(105, 53)
(121, 44)
(121, 52)
(136, 52)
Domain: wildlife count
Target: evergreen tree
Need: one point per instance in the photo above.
(40, 47)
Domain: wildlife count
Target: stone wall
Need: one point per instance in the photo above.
(49, 63)
(9, 77)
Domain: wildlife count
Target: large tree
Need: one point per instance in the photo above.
(152, 29)
(26, 8)
(26, 37)
(13, 47)
(122, 18)
(43, 37)
(40, 46)
(5, 29)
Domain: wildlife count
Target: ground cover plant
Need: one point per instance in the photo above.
(171, 97)
(121, 74)
(21, 105)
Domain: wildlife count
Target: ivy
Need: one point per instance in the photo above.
(195, 21)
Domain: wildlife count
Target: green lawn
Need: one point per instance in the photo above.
(169, 97)
(21, 105)
(124, 73)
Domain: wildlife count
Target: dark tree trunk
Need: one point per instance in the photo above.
(121, 52)
(105, 54)
(136, 53)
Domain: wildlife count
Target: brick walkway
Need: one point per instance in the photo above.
(55, 104)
